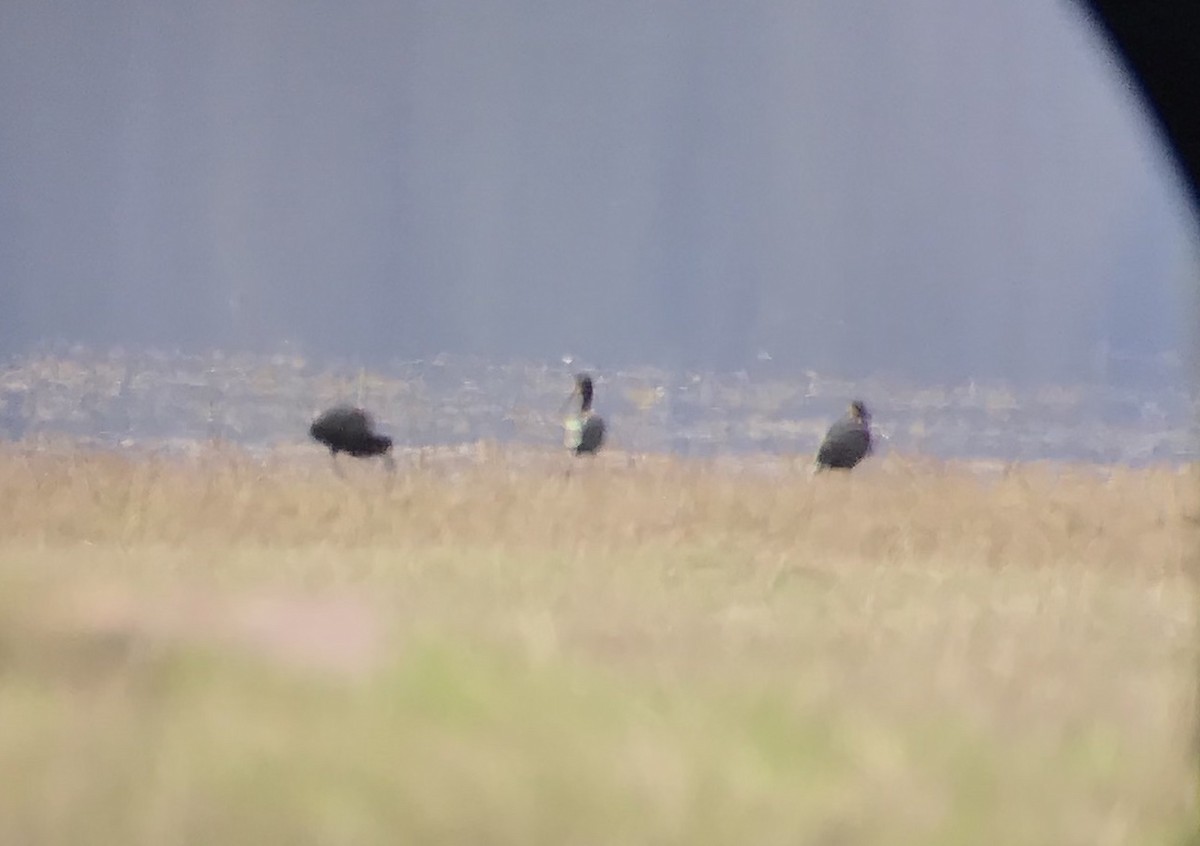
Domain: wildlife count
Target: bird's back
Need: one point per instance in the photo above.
(592, 436)
(846, 444)
(584, 433)
(349, 430)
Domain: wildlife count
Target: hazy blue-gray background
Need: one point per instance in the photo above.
(943, 189)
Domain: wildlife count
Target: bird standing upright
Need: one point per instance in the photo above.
(848, 441)
(583, 431)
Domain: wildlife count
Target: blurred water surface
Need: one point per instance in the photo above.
(148, 398)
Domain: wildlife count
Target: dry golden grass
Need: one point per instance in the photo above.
(641, 650)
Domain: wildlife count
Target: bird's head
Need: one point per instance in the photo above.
(858, 410)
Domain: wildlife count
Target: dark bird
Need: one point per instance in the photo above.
(350, 430)
(583, 431)
(848, 440)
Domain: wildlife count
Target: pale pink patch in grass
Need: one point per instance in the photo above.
(340, 634)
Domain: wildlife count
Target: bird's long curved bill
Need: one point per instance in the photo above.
(562, 409)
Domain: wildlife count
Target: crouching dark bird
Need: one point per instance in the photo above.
(351, 430)
(583, 431)
(848, 440)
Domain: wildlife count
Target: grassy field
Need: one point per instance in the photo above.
(489, 650)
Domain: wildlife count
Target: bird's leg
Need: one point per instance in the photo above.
(389, 464)
(337, 468)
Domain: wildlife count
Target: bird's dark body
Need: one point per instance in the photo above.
(591, 435)
(349, 430)
(848, 441)
(585, 430)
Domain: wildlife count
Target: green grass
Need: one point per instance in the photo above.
(473, 745)
(543, 726)
(653, 656)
